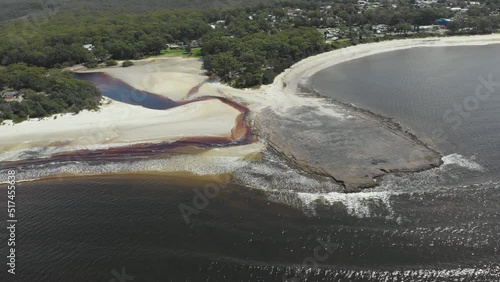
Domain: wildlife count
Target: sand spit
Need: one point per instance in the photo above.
(119, 124)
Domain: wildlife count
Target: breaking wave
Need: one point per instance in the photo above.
(281, 182)
(184, 163)
(361, 205)
(459, 160)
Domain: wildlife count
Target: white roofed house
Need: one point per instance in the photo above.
(380, 28)
(89, 47)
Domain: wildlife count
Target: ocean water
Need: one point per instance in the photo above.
(267, 221)
(90, 228)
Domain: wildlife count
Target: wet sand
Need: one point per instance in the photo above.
(354, 150)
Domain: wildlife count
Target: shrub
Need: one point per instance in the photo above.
(268, 77)
(127, 64)
(111, 63)
(341, 44)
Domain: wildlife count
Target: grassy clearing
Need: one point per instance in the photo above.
(195, 53)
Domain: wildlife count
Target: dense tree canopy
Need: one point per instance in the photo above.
(255, 59)
(45, 92)
(245, 46)
(12, 9)
(59, 41)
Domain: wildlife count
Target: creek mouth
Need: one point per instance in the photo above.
(118, 90)
(425, 226)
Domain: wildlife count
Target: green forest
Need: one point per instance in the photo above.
(12, 9)
(257, 58)
(245, 44)
(261, 49)
(45, 92)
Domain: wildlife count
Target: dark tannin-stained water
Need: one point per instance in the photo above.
(81, 229)
(270, 222)
(118, 90)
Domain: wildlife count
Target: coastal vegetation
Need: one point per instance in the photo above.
(111, 63)
(127, 64)
(36, 92)
(244, 46)
(12, 9)
(257, 58)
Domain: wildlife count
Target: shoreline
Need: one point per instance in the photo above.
(294, 90)
(298, 75)
(267, 108)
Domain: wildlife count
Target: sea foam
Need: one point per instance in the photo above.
(183, 163)
(459, 160)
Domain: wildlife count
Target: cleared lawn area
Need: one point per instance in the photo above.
(195, 53)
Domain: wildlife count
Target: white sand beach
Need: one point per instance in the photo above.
(285, 84)
(119, 124)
